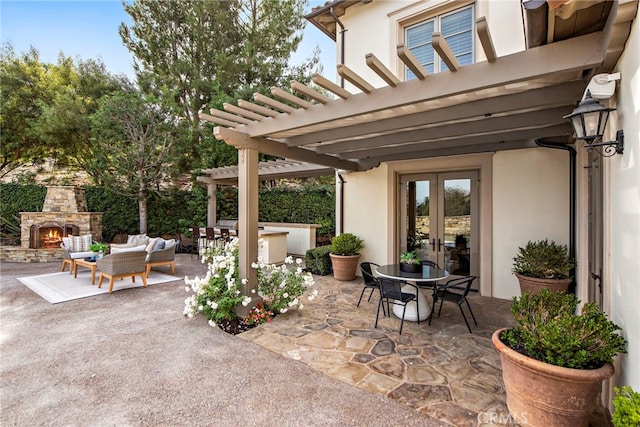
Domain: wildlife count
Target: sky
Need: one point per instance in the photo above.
(88, 29)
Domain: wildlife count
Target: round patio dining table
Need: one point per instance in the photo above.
(428, 274)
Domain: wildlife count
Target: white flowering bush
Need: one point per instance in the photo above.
(282, 286)
(218, 293)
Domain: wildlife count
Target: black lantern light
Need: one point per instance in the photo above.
(589, 120)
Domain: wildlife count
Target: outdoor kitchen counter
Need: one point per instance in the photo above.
(301, 238)
(272, 248)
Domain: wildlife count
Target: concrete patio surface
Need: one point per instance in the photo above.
(132, 359)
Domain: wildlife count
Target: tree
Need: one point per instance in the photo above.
(183, 54)
(133, 139)
(457, 202)
(200, 54)
(65, 123)
(25, 87)
(46, 108)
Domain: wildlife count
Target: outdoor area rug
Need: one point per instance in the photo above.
(61, 287)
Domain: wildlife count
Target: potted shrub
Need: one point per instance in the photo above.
(345, 253)
(543, 264)
(99, 248)
(554, 360)
(627, 407)
(410, 262)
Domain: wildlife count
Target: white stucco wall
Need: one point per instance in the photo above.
(365, 211)
(622, 215)
(530, 202)
(376, 28)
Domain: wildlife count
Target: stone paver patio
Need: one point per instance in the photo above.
(441, 370)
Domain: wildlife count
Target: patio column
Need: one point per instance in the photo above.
(212, 187)
(248, 223)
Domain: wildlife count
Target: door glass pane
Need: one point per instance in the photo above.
(457, 225)
(418, 230)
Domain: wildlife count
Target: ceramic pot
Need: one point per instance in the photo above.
(542, 395)
(344, 266)
(533, 285)
(410, 268)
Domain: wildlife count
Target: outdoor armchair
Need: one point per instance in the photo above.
(120, 265)
(75, 247)
(369, 280)
(164, 256)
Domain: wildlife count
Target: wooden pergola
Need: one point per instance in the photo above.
(506, 102)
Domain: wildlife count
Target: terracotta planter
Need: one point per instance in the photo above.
(344, 266)
(533, 285)
(540, 394)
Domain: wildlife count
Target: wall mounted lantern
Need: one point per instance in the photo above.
(589, 120)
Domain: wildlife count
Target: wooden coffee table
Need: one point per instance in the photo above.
(91, 265)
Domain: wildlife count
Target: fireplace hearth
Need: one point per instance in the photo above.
(64, 213)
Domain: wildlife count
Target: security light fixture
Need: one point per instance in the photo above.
(589, 120)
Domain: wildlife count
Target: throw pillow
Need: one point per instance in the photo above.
(151, 245)
(169, 243)
(131, 249)
(159, 245)
(81, 243)
(137, 238)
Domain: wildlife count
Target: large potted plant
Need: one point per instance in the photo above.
(554, 360)
(345, 253)
(543, 264)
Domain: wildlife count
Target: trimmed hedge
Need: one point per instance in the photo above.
(177, 210)
(318, 261)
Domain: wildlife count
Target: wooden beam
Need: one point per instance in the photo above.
(282, 94)
(257, 108)
(563, 94)
(428, 144)
(379, 68)
(273, 103)
(241, 111)
(353, 78)
(441, 46)
(217, 120)
(311, 93)
(482, 27)
(411, 62)
(227, 116)
(274, 148)
(449, 130)
(562, 62)
(330, 86)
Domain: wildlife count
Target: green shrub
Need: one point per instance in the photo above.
(317, 260)
(543, 259)
(174, 211)
(549, 330)
(346, 244)
(627, 407)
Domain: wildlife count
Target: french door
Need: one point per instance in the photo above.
(439, 219)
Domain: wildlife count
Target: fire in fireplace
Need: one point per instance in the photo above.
(49, 235)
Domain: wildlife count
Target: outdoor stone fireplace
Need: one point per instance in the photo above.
(64, 213)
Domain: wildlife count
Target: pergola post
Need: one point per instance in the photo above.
(211, 204)
(248, 223)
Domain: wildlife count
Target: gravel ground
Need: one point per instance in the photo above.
(132, 359)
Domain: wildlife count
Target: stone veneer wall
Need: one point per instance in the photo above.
(18, 254)
(65, 199)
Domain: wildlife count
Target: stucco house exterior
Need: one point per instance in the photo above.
(431, 95)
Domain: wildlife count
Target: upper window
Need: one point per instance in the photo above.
(457, 29)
